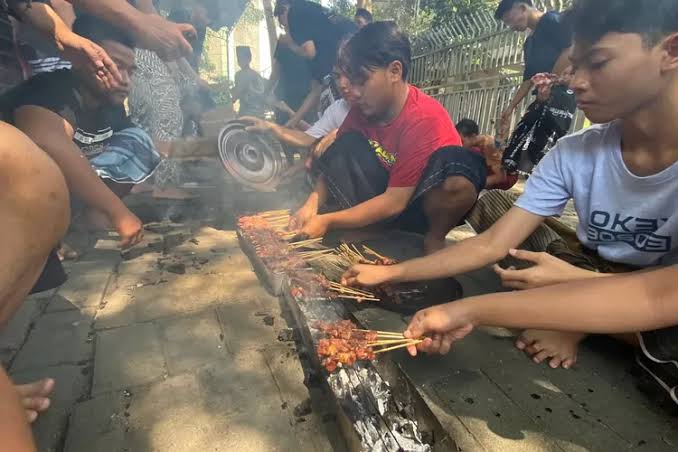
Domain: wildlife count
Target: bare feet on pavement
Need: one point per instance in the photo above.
(560, 348)
(35, 397)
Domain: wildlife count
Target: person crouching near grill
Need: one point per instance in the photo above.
(397, 155)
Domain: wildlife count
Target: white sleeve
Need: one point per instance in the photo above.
(547, 191)
(332, 118)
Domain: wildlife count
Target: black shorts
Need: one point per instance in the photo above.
(52, 276)
(354, 174)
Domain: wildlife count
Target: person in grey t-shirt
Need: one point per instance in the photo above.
(622, 175)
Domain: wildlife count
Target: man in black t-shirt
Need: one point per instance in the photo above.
(547, 51)
(70, 115)
(315, 34)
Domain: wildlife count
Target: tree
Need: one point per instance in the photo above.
(444, 11)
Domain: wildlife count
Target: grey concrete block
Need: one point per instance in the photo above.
(14, 333)
(58, 338)
(72, 383)
(99, 424)
(192, 341)
(80, 291)
(126, 357)
(243, 329)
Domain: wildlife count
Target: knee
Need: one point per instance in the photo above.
(34, 187)
(459, 187)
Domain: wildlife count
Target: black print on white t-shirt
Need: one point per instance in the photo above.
(640, 233)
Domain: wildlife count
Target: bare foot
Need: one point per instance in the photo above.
(432, 245)
(557, 346)
(35, 397)
(67, 253)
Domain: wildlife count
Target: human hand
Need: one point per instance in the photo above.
(364, 275)
(325, 142)
(440, 326)
(167, 39)
(547, 271)
(256, 125)
(90, 57)
(301, 217)
(130, 229)
(315, 227)
(293, 123)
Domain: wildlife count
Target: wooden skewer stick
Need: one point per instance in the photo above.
(396, 347)
(388, 342)
(374, 253)
(275, 212)
(386, 333)
(354, 297)
(337, 286)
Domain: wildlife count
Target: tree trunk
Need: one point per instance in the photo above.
(270, 25)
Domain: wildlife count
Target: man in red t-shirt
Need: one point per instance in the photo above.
(397, 154)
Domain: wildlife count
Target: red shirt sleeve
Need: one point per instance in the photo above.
(417, 144)
(350, 124)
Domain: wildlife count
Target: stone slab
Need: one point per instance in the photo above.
(289, 378)
(99, 424)
(186, 293)
(229, 404)
(191, 341)
(81, 291)
(72, 383)
(58, 338)
(14, 333)
(243, 329)
(126, 357)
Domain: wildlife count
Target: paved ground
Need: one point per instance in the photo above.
(175, 351)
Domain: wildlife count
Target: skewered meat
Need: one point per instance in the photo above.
(345, 345)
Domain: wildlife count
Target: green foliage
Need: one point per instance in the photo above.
(417, 16)
(252, 15)
(446, 10)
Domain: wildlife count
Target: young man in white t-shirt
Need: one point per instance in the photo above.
(622, 174)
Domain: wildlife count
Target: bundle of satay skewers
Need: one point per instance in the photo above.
(267, 232)
(344, 344)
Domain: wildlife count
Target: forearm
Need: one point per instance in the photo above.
(83, 182)
(522, 92)
(367, 213)
(463, 257)
(292, 137)
(44, 19)
(310, 102)
(114, 11)
(620, 304)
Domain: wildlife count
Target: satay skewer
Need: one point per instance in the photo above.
(357, 298)
(396, 347)
(374, 253)
(385, 333)
(388, 342)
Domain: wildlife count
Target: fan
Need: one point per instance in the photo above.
(254, 160)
